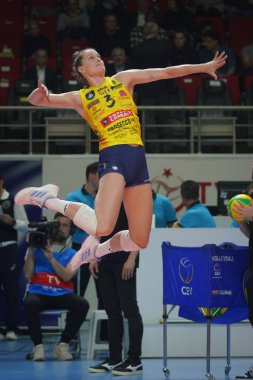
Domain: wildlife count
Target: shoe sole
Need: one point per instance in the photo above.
(119, 373)
(19, 198)
(98, 370)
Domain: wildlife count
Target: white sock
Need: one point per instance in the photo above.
(104, 248)
(56, 204)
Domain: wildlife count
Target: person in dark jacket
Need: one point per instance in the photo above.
(13, 218)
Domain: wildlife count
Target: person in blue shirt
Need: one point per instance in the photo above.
(197, 214)
(50, 286)
(211, 43)
(164, 211)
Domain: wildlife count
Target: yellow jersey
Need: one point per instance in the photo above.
(112, 114)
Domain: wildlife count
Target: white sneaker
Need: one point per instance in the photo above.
(61, 352)
(11, 335)
(86, 253)
(36, 196)
(39, 353)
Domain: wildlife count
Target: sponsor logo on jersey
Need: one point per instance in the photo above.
(115, 116)
(104, 90)
(119, 85)
(90, 95)
(90, 105)
(123, 93)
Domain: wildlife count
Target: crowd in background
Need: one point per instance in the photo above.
(145, 33)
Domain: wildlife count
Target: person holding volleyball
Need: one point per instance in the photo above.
(245, 213)
(107, 105)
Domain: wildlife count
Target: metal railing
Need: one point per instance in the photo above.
(165, 129)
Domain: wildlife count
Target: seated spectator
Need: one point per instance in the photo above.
(109, 37)
(119, 62)
(210, 45)
(41, 71)
(208, 8)
(50, 287)
(182, 51)
(246, 60)
(164, 211)
(34, 40)
(177, 17)
(104, 7)
(197, 214)
(136, 36)
(73, 23)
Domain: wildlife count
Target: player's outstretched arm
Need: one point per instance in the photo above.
(42, 97)
(132, 77)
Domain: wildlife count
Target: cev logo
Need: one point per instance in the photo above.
(186, 270)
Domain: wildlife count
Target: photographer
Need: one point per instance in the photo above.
(50, 284)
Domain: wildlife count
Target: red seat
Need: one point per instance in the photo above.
(4, 90)
(69, 47)
(248, 81)
(12, 7)
(10, 68)
(232, 82)
(240, 33)
(190, 84)
(47, 27)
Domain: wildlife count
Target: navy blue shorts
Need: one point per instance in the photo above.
(130, 161)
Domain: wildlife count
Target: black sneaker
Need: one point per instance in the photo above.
(105, 366)
(128, 368)
(247, 375)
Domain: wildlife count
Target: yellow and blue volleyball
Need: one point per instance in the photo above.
(244, 198)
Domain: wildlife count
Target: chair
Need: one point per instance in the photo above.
(214, 93)
(4, 90)
(10, 68)
(232, 82)
(18, 94)
(190, 84)
(68, 48)
(94, 342)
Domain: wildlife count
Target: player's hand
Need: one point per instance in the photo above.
(93, 268)
(218, 61)
(128, 269)
(43, 90)
(243, 210)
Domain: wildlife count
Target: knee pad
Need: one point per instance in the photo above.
(85, 218)
(126, 242)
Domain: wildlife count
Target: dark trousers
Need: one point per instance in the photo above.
(9, 281)
(35, 303)
(119, 297)
(84, 278)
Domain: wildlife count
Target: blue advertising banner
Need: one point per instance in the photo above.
(203, 279)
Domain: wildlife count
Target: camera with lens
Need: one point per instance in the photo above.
(44, 230)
